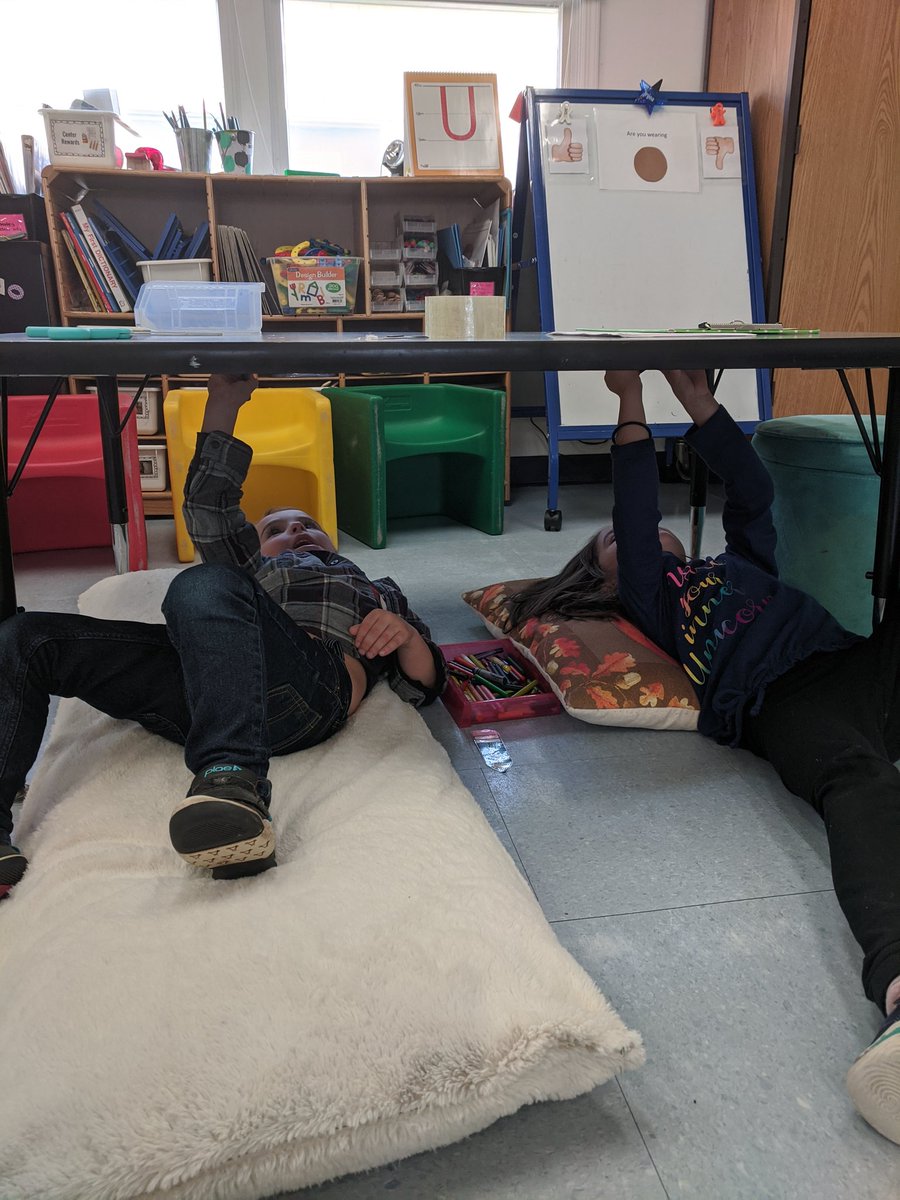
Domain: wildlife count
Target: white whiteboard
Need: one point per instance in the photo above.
(640, 257)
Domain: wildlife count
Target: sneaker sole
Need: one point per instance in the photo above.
(874, 1085)
(219, 833)
(12, 868)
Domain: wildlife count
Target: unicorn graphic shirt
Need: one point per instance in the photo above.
(730, 621)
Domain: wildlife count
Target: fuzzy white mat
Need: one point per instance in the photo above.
(392, 986)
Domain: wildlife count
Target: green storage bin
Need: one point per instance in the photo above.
(403, 450)
(825, 510)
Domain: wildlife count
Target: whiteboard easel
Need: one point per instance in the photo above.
(605, 249)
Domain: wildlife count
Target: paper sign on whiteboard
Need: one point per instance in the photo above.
(567, 148)
(452, 124)
(638, 153)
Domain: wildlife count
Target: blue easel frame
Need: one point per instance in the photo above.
(530, 190)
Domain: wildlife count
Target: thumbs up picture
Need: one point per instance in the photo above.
(567, 150)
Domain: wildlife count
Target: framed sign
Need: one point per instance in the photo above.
(452, 124)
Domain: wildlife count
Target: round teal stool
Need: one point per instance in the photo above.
(825, 510)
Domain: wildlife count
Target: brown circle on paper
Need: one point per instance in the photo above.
(650, 164)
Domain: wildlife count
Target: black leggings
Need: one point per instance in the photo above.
(831, 729)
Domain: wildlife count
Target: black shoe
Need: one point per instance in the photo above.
(13, 865)
(224, 820)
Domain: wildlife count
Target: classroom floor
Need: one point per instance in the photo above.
(687, 882)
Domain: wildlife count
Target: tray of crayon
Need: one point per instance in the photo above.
(493, 681)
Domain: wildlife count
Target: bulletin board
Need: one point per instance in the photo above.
(633, 219)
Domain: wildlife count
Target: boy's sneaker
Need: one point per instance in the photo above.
(13, 865)
(224, 822)
(874, 1079)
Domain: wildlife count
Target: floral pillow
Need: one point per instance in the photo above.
(604, 671)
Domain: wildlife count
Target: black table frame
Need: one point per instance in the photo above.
(308, 355)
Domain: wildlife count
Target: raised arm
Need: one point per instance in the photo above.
(747, 515)
(636, 514)
(212, 490)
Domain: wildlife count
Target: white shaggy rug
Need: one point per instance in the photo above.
(391, 987)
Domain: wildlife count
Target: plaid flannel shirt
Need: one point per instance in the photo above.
(323, 592)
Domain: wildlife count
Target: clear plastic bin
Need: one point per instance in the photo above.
(307, 286)
(199, 308)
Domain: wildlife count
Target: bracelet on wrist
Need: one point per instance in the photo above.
(625, 424)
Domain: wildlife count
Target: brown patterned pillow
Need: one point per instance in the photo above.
(604, 671)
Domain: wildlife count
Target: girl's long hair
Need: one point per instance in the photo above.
(580, 591)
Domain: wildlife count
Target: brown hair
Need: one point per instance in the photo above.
(580, 591)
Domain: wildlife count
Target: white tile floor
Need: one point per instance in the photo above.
(683, 877)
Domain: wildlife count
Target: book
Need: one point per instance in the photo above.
(88, 263)
(86, 282)
(99, 254)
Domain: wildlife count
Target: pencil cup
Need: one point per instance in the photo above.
(236, 148)
(194, 149)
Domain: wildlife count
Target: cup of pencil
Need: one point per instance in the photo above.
(236, 148)
(194, 148)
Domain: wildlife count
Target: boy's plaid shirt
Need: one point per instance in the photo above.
(319, 591)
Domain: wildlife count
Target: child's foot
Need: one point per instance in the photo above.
(224, 820)
(874, 1079)
(13, 865)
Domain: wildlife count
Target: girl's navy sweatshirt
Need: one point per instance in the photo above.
(730, 622)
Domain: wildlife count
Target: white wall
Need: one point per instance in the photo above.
(639, 39)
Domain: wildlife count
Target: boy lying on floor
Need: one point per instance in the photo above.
(268, 646)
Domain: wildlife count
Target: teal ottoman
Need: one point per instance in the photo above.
(826, 507)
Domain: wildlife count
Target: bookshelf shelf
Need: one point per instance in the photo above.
(274, 211)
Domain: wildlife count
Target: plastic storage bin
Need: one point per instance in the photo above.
(198, 308)
(315, 285)
(173, 270)
(147, 409)
(542, 703)
(152, 467)
(80, 137)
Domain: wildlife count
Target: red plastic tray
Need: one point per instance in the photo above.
(542, 703)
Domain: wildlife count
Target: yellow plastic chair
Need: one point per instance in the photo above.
(289, 430)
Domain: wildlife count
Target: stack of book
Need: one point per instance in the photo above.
(106, 253)
(239, 264)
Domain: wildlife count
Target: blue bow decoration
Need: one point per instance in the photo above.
(650, 96)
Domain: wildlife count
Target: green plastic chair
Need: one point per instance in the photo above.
(405, 450)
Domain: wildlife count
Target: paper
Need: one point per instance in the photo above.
(647, 154)
(452, 123)
(720, 152)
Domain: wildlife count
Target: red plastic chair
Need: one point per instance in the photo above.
(60, 501)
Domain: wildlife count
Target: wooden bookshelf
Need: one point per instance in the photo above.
(273, 210)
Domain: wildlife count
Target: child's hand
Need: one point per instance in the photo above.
(233, 390)
(623, 383)
(692, 391)
(380, 633)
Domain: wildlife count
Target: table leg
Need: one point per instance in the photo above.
(699, 481)
(886, 572)
(114, 470)
(7, 577)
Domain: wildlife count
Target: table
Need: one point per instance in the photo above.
(328, 354)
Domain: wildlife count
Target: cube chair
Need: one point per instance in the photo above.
(825, 510)
(405, 450)
(289, 431)
(60, 500)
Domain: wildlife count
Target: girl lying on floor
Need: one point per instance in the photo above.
(773, 672)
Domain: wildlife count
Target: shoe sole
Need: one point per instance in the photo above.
(242, 869)
(12, 868)
(874, 1084)
(211, 833)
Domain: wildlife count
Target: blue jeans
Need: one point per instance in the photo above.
(229, 676)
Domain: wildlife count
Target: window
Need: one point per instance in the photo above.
(344, 64)
(155, 54)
